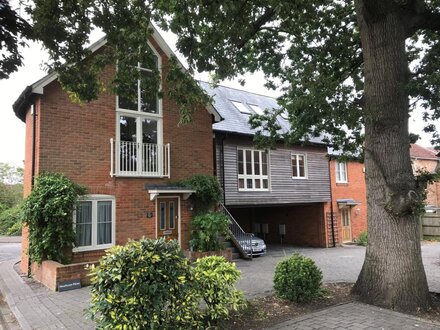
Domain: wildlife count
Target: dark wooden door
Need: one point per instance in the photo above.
(168, 218)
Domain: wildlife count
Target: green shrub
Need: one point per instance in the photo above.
(215, 279)
(47, 211)
(206, 230)
(208, 192)
(363, 239)
(145, 284)
(10, 221)
(297, 279)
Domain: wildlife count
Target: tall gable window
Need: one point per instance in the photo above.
(139, 149)
(252, 170)
(299, 166)
(94, 222)
(341, 172)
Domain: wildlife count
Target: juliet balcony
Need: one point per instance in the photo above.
(133, 159)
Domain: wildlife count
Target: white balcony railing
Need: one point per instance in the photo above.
(139, 159)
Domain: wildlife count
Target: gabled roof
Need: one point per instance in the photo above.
(23, 101)
(236, 121)
(419, 152)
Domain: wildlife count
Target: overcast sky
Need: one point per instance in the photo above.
(12, 133)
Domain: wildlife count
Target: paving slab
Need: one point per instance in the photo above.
(356, 316)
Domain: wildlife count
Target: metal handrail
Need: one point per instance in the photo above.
(241, 239)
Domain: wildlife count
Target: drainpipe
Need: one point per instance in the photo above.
(223, 170)
(332, 220)
(34, 134)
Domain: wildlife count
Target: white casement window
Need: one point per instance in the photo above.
(299, 166)
(252, 170)
(341, 172)
(94, 222)
(139, 129)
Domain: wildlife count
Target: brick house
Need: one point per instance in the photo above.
(127, 154)
(349, 200)
(427, 160)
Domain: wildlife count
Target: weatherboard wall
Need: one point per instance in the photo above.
(283, 189)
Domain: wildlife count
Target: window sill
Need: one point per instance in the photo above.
(253, 190)
(299, 178)
(342, 183)
(92, 248)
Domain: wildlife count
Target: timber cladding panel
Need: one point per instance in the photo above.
(74, 140)
(283, 188)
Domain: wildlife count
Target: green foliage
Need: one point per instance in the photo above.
(363, 239)
(145, 284)
(208, 192)
(297, 279)
(10, 221)
(10, 195)
(215, 279)
(206, 230)
(47, 212)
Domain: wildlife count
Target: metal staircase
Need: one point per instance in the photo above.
(239, 238)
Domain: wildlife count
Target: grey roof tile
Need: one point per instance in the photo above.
(235, 121)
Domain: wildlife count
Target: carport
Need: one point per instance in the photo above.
(299, 225)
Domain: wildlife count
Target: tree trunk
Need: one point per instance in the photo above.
(393, 275)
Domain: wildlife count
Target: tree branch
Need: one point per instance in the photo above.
(427, 20)
(256, 26)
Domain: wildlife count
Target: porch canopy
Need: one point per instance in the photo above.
(346, 202)
(159, 190)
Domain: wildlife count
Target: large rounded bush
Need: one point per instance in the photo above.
(297, 279)
(145, 284)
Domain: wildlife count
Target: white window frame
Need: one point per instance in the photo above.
(95, 199)
(306, 172)
(339, 178)
(245, 176)
(140, 115)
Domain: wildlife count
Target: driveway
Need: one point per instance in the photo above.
(342, 264)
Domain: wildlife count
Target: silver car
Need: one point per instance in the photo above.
(258, 246)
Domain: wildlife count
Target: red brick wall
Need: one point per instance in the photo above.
(50, 273)
(75, 140)
(305, 224)
(27, 178)
(355, 189)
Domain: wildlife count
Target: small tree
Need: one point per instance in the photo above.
(47, 212)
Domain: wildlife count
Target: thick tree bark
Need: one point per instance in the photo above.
(393, 275)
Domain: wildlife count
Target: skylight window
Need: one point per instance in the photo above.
(256, 109)
(241, 107)
(284, 115)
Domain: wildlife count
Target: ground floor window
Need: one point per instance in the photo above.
(94, 222)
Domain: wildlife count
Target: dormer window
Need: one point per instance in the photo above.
(241, 107)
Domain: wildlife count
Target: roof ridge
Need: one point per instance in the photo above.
(237, 89)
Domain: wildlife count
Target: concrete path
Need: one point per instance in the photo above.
(35, 307)
(356, 316)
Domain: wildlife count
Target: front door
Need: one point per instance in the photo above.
(168, 218)
(346, 225)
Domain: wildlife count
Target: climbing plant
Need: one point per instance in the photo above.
(47, 212)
